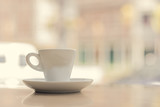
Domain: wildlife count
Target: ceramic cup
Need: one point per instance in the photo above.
(56, 64)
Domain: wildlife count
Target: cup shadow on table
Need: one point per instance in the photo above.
(50, 100)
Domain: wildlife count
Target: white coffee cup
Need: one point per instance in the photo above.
(56, 64)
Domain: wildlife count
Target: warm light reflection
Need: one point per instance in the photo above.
(58, 100)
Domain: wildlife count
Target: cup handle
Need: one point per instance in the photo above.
(36, 67)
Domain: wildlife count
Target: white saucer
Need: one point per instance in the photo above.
(41, 85)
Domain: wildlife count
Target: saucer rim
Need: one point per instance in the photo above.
(57, 86)
(71, 80)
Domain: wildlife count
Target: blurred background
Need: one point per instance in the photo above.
(117, 41)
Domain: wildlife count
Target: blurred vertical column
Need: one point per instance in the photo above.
(54, 22)
(61, 24)
(143, 36)
(66, 23)
(46, 14)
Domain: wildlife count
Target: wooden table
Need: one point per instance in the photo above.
(93, 96)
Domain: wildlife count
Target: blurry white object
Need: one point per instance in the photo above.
(11, 82)
(13, 64)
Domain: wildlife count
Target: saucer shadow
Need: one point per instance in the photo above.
(50, 100)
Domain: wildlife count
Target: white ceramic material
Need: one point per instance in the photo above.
(56, 64)
(41, 85)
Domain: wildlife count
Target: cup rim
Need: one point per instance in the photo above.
(65, 49)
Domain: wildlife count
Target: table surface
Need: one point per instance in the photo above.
(93, 96)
